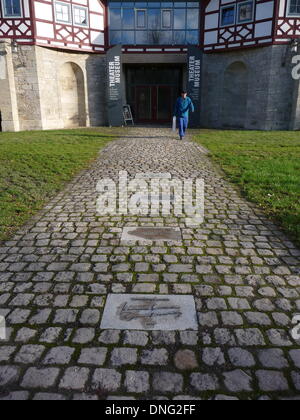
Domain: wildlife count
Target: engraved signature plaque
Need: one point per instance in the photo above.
(149, 312)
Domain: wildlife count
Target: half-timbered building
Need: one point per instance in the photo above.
(53, 61)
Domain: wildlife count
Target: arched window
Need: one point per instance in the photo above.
(12, 8)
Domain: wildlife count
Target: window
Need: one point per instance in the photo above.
(154, 22)
(245, 12)
(228, 15)
(80, 16)
(12, 8)
(141, 19)
(166, 16)
(294, 8)
(63, 12)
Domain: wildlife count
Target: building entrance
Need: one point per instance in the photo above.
(154, 103)
(152, 92)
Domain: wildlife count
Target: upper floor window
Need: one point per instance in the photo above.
(154, 22)
(294, 8)
(80, 16)
(141, 18)
(166, 19)
(233, 14)
(245, 12)
(63, 12)
(228, 15)
(12, 8)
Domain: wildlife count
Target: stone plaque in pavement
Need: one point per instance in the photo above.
(149, 312)
(151, 234)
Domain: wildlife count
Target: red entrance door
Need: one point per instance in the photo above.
(154, 104)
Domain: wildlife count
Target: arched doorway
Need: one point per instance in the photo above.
(235, 96)
(72, 93)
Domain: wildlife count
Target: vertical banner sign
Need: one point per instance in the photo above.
(114, 82)
(194, 82)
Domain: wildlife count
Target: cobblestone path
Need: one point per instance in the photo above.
(56, 272)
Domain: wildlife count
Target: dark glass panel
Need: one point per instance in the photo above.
(192, 37)
(163, 103)
(166, 37)
(115, 37)
(179, 19)
(128, 18)
(141, 37)
(115, 19)
(154, 19)
(192, 19)
(154, 4)
(128, 37)
(179, 37)
(115, 4)
(144, 103)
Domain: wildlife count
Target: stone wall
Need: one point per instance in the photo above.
(43, 88)
(34, 93)
(91, 88)
(268, 93)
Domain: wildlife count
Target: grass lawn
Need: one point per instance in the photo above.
(36, 165)
(266, 166)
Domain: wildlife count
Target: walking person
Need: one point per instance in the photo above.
(183, 106)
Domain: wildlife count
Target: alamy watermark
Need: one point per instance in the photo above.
(296, 330)
(296, 68)
(152, 195)
(2, 328)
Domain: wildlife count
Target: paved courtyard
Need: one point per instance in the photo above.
(56, 273)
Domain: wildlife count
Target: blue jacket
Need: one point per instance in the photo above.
(183, 106)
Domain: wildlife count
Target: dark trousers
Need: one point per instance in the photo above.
(183, 125)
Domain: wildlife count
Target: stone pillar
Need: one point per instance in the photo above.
(8, 95)
(27, 87)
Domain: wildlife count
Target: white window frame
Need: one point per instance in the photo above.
(86, 13)
(237, 12)
(12, 16)
(162, 19)
(62, 3)
(136, 27)
(227, 6)
(295, 15)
